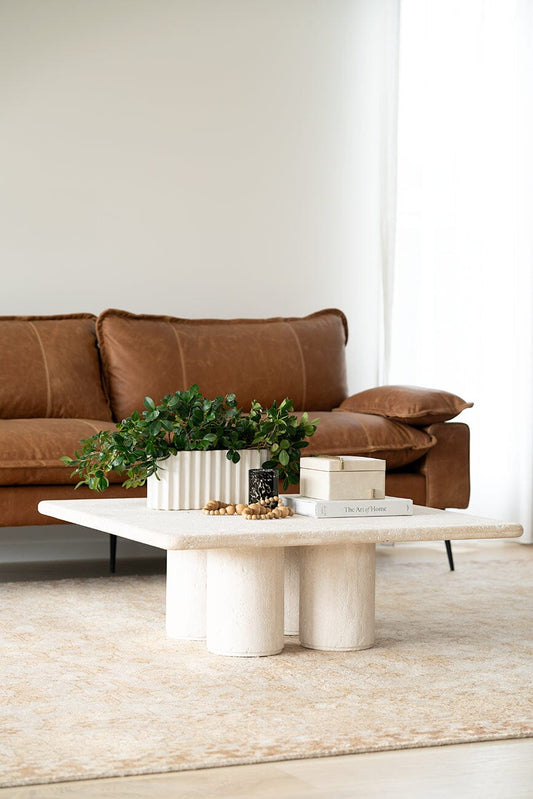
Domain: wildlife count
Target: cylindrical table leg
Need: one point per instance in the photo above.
(245, 601)
(337, 596)
(292, 590)
(186, 594)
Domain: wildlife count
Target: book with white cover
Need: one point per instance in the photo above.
(337, 508)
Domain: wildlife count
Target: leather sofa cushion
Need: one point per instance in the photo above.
(49, 367)
(344, 433)
(18, 504)
(410, 404)
(31, 449)
(263, 359)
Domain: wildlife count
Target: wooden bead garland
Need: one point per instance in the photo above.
(264, 509)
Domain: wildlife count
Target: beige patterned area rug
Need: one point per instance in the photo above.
(91, 687)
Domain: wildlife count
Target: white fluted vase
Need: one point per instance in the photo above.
(190, 479)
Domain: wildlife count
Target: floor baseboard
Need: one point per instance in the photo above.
(67, 542)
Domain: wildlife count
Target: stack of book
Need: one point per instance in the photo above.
(344, 485)
(336, 508)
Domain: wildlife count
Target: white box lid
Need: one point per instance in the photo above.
(343, 463)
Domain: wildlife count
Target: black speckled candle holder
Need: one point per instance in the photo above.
(262, 483)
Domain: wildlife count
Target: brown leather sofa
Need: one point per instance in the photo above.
(64, 377)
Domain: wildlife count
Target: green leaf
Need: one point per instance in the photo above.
(197, 416)
(185, 421)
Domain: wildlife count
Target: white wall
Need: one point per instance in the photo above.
(195, 157)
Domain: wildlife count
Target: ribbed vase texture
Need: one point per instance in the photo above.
(190, 479)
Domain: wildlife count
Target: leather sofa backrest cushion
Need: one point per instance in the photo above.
(49, 367)
(263, 359)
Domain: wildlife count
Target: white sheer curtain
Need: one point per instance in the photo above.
(463, 281)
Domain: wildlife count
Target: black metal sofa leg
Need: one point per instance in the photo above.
(113, 553)
(450, 555)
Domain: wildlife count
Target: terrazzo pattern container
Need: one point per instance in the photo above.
(190, 479)
(263, 484)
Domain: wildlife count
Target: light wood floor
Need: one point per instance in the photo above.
(492, 770)
(489, 770)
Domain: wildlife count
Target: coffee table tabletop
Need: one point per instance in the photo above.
(191, 529)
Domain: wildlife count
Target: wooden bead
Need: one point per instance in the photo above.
(257, 510)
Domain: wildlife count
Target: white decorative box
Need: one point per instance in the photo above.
(342, 477)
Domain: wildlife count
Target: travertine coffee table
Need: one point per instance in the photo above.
(227, 577)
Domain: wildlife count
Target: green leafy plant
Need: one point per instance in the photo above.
(186, 420)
